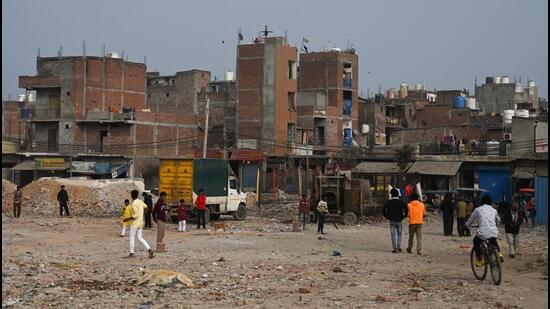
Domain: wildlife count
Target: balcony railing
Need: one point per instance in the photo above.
(347, 108)
(482, 149)
(36, 145)
(39, 113)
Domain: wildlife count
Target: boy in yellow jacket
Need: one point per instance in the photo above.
(126, 214)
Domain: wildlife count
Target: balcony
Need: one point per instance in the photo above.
(40, 114)
(482, 149)
(347, 108)
(38, 81)
(348, 83)
(43, 146)
(106, 116)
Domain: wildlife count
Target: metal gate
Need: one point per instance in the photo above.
(541, 199)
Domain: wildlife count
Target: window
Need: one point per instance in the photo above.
(292, 69)
(291, 133)
(233, 184)
(292, 101)
(167, 94)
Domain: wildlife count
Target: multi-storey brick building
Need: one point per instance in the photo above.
(266, 87)
(93, 109)
(499, 93)
(327, 99)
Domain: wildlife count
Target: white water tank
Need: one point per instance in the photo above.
(229, 75)
(403, 90)
(505, 80)
(507, 116)
(113, 55)
(518, 87)
(471, 103)
(364, 128)
(336, 49)
(418, 87)
(21, 97)
(531, 84)
(498, 79)
(522, 113)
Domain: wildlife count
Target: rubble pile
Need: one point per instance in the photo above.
(96, 198)
(8, 188)
(283, 213)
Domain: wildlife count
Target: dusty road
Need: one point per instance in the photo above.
(78, 263)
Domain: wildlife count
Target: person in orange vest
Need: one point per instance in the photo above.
(200, 204)
(417, 211)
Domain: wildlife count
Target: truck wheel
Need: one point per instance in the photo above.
(350, 218)
(215, 216)
(240, 214)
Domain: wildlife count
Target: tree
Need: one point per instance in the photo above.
(403, 157)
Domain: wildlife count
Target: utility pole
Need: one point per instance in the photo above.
(307, 163)
(207, 111)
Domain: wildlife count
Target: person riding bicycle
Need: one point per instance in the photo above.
(488, 219)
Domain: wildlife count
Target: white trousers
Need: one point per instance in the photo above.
(182, 225)
(123, 231)
(513, 243)
(139, 231)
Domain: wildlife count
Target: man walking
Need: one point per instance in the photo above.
(303, 211)
(148, 200)
(461, 216)
(63, 199)
(322, 211)
(17, 195)
(200, 205)
(416, 212)
(447, 206)
(159, 216)
(136, 227)
(512, 220)
(395, 210)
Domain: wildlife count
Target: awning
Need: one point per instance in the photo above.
(377, 168)
(24, 166)
(524, 172)
(448, 168)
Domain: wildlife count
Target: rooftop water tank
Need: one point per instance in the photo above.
(498, 79)
(229, 75)
(459, 102)
(507, 116)
(505, 80)
(364, 128)
(518, 87)
(403, 90)
(471, 103)
(392, 93)
(113, 55)
(418, 87)
(336, 49)
(531, 84)
(21, 97)
(489, 80)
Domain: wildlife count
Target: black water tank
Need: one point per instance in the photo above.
(489, 80)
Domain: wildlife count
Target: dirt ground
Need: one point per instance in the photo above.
(258, 263)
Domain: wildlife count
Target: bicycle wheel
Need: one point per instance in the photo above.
(479, 272)
(496, 267)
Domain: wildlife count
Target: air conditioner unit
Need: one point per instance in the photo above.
(507, 136)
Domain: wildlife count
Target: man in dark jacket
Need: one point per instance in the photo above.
(512, 219)
(159, 216)
(395, 210)
(63, 199)
(448, 208)
(148, 200)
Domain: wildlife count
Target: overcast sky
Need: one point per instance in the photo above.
(441, 43)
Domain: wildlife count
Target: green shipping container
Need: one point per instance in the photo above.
(210, 175)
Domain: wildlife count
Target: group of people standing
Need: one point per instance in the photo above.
(395, 210)
(308, 207)
(137, 216)
(62, 198)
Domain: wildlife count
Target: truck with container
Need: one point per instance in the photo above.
(183, 178)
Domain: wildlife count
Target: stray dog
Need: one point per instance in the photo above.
(218, 226)
(164, 278)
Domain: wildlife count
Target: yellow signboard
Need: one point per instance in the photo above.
(48, 163)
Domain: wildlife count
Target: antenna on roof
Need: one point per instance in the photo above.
(60, 52)
(103, 50)
(286, 35)
(38, 51)
(84, 48)
(145, 59)
(266, 32)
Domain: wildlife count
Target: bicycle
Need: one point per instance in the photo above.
(489, 253)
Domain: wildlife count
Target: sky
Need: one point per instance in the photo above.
(444, 44)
